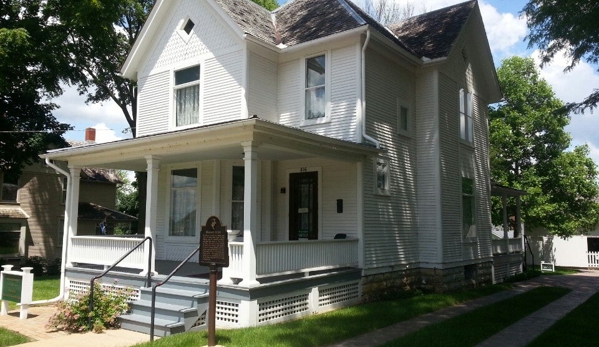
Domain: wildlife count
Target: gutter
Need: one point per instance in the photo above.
(61, 295)
(362, 119)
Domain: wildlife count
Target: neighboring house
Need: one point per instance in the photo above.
(353, 158)
(32, 209)
(576, 251)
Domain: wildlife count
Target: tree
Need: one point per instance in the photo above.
(31, 71)
(390, 11)
(267, 4)
(568, 26)
(529, 151)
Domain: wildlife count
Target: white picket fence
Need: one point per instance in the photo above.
(593, 259)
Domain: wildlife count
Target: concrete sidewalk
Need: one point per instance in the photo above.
(583, 286)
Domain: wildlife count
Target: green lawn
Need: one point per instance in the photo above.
(11, 338)
(472, 328)
(578, 328)
(323, 329)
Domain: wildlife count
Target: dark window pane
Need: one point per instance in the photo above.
(187, 75)
(188, 26)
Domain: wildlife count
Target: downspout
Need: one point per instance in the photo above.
(64, 241)
(362, 119)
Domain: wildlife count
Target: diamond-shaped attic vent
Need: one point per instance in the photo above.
(188, 26)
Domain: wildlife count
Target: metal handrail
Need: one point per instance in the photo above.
(91, 282)
(153, 311)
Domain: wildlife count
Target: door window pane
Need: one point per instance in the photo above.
(183, 202)
(237, 198)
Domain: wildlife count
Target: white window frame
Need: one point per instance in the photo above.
(401, 106)
(181, 29)
(466, 118)
(174, 88)
(198, 192)
(471, 234)
(327, 89)
(386, 189)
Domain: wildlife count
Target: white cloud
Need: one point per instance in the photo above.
(504, 30)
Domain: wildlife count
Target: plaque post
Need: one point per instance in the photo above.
(212, 307)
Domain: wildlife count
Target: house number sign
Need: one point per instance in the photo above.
(214, 245)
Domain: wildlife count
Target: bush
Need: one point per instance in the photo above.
(38, 264)
(109, 304)
(54, 267)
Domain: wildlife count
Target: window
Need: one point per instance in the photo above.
(468, 224)
(237, 198)
(466, 124)
(183, 202)
(187, 96)
(189, 24)
(63, 184)
(60, 232)
(10, 235)
(315, 89)
(403, 119)
(10, 187)
(382, 176)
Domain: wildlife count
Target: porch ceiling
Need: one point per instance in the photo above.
(218, 141)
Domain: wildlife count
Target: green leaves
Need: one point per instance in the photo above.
(529, 151)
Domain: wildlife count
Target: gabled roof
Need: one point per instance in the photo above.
(432, 34)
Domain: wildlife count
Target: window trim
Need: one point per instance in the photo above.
(167, 227)
(466, 113)
(473, 209)
(173, 91)
(408, 131)
(181, 28)
(327, 89)
(385, 191)
(233, 165)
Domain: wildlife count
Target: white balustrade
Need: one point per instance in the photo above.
(299, 256)
(593, 258)
(235, 260)
(105, 250)
(512, 246)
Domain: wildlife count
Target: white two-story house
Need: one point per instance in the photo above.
(351, 159)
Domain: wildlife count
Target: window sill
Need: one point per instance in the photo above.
(382, 193)
(470, 240)
(311, 122)
(466, 143)
(405, 134)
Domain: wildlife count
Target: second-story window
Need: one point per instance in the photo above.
(315, 100)
(466, 124)
(187, 96)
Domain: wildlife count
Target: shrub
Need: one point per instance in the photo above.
(54, 267)
(109, 304)
(37, 263)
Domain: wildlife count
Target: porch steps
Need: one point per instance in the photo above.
(177, 310)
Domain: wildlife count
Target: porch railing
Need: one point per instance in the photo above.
(285, 257)
(103, 250)
(512, 246)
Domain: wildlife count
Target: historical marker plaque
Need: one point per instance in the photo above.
(214, 244)
(11, 288)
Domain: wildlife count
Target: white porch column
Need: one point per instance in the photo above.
(251, 202)
(151, 208)
(72, 208)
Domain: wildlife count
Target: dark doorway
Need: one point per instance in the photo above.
(303, 206)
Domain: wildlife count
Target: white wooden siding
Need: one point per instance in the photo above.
(427, 132)
(263, 87)
(153, 103)
(171, 48)
(222, 88)
(344, 86)
(451, 182)
(390, 222)
(482, 176)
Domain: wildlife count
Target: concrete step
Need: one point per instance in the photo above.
(141, 323)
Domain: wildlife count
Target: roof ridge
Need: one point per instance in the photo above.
(443, 9)
(351, 11)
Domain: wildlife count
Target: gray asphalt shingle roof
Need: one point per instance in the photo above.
(429, 35)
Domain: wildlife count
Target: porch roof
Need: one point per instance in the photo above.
(499, 190)
(216, 141)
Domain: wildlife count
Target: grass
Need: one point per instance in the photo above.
(471, 328)
(44, 287)
(11, 338)
(577, 328)
(330, 327)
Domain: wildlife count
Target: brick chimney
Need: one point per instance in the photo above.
(90, 135)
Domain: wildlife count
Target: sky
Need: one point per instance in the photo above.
(506, 31)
